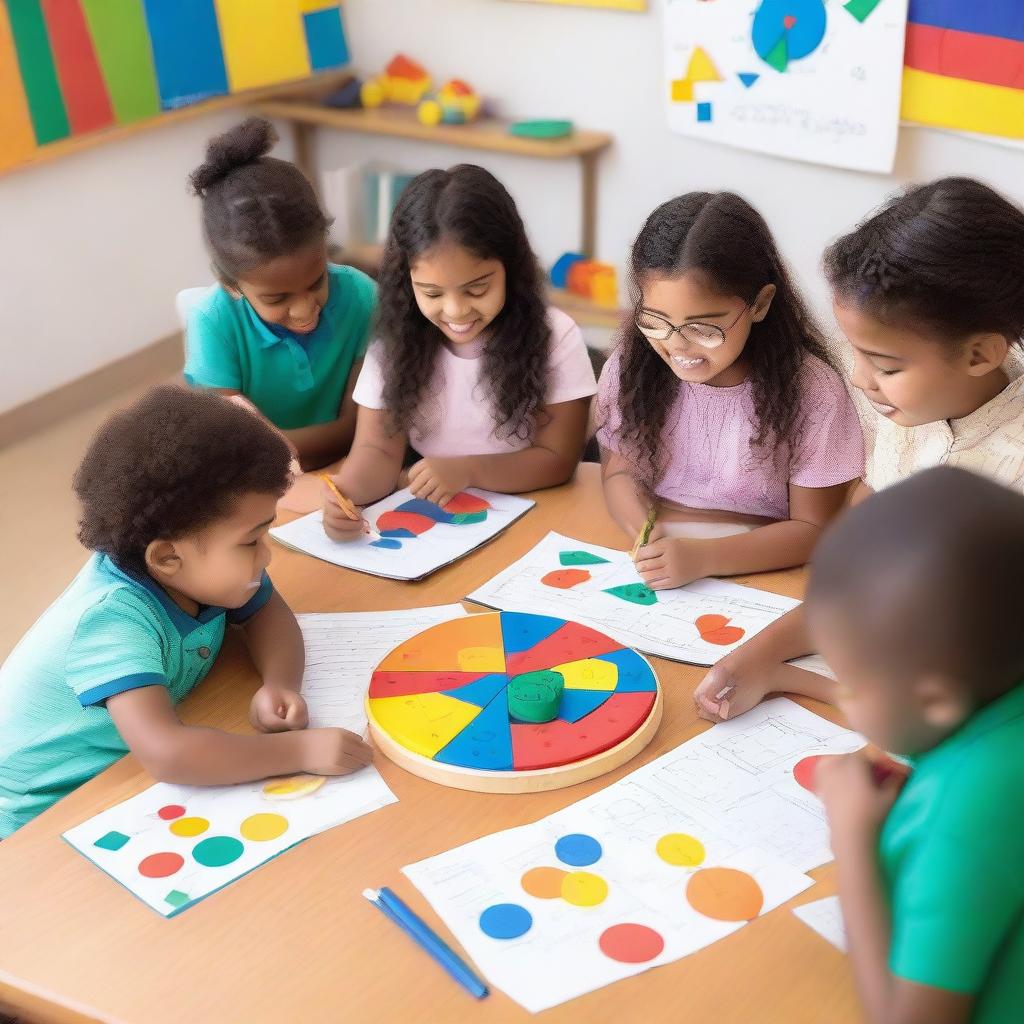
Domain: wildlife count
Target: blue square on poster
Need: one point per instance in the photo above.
(325, 38)
(186, 51)
(703, 111)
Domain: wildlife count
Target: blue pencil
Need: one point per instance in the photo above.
(421, 933)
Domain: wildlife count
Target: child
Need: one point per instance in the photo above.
(284, 328)
(177, 493)
(920, 615)
(930, 294)
(721, 397)
(488, 384)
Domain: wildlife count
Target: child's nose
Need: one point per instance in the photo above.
(454, 307)
(304, 309)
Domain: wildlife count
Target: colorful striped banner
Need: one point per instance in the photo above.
(18, 140)
(38, 72)
(119, 33)
(186, 51)
(264, 42)
(81, 83)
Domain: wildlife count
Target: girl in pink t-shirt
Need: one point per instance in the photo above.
(720, 403)
(470, 368)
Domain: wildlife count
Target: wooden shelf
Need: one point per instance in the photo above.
(306, 88)
(366, 257)
(400, 122)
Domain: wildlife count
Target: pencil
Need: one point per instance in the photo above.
(346, 506)
(645, 533)
(432, 943)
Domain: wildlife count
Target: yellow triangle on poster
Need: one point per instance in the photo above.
(702, 67)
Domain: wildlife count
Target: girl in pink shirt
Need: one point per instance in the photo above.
(720, 403)
(471, 368)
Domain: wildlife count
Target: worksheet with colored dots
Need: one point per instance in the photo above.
(172, 846)
(682, 852)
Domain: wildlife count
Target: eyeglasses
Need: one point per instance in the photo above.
(657, 328)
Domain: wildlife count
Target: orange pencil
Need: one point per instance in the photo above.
(346, 506)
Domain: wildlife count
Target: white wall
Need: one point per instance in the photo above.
(93, 247)
(92, 250)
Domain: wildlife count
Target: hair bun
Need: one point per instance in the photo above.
(241, 145)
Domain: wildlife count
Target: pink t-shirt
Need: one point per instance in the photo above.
(709, 434)
(457, 419)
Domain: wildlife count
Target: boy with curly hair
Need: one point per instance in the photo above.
(177, 494)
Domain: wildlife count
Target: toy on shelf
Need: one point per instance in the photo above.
(543, 129)
(404, 81)
(348, 97)
(455, 103)
(588, 278)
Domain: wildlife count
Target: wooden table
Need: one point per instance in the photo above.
(295, 943)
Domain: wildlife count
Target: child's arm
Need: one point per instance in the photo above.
(192, 755)
(857, 806)
(623, 496)
(549, 461)
(275, 646)
(675, 561)
(323, 443)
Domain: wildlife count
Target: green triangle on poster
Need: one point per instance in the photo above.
(778, 56)
(860, 9)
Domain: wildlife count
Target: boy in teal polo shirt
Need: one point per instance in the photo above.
(915, 602)
(284, 328)
(177, 494)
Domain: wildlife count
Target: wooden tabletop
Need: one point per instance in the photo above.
(294, 941)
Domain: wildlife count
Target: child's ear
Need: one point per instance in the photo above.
(763, 302)
(985, 353)
(943, 703)
(162, 560)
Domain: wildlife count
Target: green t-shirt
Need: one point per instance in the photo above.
(952, 853)
(294, 383)
(109, 632)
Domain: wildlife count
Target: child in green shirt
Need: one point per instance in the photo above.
(177, 495)
(919, 614)
(284, 328)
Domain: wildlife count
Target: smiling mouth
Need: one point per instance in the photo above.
(882, 408)
(461, 328)
(306, 328)
(687, 364)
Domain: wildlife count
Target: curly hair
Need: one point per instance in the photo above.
(469, 206)
(255, 207)
(947, 256)
(170, 465)
(724, 239)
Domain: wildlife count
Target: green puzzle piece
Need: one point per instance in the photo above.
(637, 593)
(580, 558)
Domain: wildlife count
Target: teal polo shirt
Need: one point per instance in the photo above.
(109, 632)
(952, 855)
(293, 382)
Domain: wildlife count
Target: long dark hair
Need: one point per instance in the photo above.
(947, 256)
(722, 237)
(469, 206)
(255, 207)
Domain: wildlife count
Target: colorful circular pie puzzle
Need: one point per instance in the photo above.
(452, 698)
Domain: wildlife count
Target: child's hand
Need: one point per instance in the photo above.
(278, 709)
(333, 752)
(857, 798)
(438, 480)
(671, 562)
(337, 524)
(731, 688)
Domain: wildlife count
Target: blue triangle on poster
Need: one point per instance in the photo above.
(577, 704)
(485, 743)
(481, 691)
(748, 78)
(520, 631)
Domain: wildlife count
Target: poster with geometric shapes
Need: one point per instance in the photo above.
(964, 66)
(73, 67)
(172, 846)
(803, 79)
(675, 856)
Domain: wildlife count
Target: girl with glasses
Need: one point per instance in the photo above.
(721, 405)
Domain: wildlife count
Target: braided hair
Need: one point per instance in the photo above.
(947, 256)
(470, 207)
(255, 207)
(724, 239)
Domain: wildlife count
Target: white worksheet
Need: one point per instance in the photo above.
(825, 916)
(600, 587)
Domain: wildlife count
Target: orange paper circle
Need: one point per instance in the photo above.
(544, 883)
(724, 894)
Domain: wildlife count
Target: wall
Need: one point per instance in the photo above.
(93, 248)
